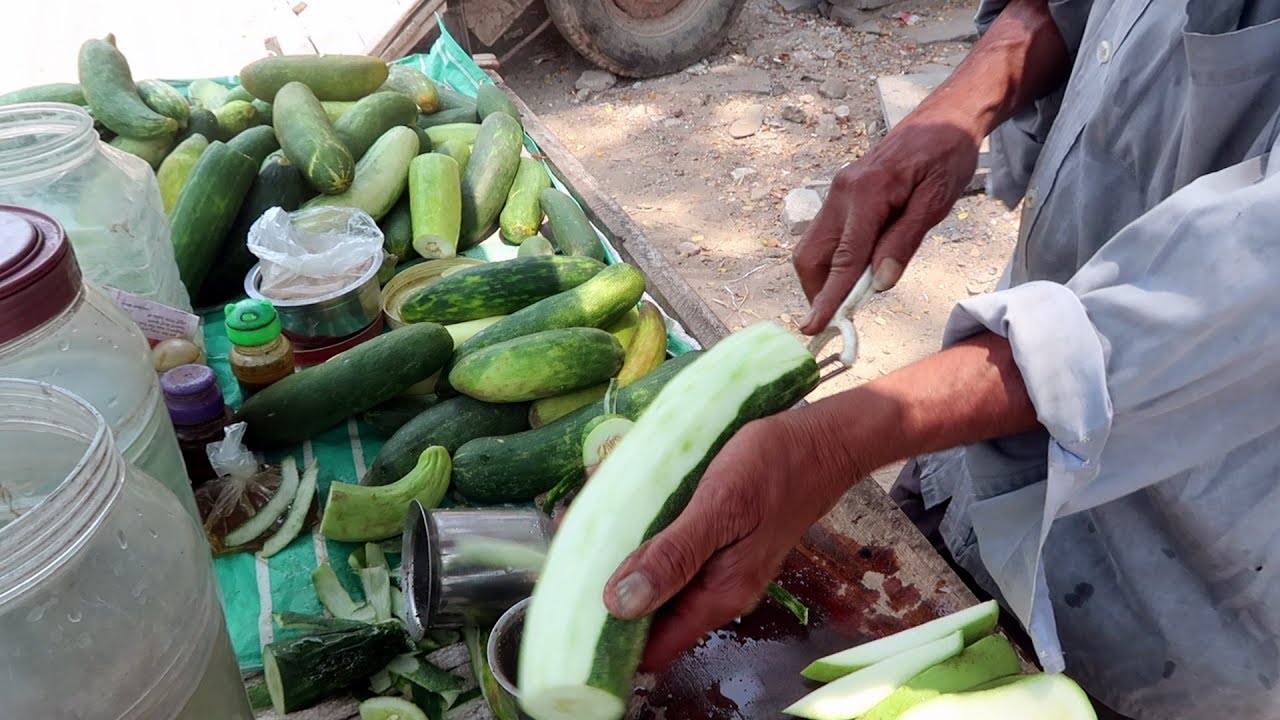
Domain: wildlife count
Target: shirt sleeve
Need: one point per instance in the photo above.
(1160, 354)
(1016, 144)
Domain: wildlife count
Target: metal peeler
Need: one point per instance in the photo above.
(842, 324)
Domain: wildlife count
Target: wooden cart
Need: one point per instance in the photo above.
(864, 571)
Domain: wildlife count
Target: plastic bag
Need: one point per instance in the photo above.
(242, 487)
(314, 252)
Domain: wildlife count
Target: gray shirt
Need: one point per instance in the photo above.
(1134, 535)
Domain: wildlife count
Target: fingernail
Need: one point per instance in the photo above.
(633, 595)
(887, 275)
(804, 322)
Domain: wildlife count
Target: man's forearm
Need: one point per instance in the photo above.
(1020, 59)
(970, 392)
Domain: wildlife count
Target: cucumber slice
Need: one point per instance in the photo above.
(390, 708)
(974, 623)
(1043, 697)
(603, 438)
(297, 514)
(858, 692)
(991, 658)
(275, 507)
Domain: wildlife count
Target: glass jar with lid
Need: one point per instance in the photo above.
(51, 160)
(56, 328)
(108, 605)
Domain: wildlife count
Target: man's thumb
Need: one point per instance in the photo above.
(661, 567)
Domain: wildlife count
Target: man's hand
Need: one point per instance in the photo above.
(764, 489)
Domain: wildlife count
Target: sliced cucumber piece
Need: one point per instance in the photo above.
(1042, 697)
(974, 623)
(390, 708)
(989, 659)
(858, 692)
(605, 435)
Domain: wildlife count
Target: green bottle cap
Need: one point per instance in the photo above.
(252, 322)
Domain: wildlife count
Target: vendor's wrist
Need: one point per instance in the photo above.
(812, 439)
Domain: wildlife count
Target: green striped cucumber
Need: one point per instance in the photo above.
(635, 493)
(173, 172)
(497, 288)
(573, 232)
(491, 99)
(330, 77)
(390, 416)
(371, 117)
(445, 118)
(448, 424)
(256, 142)
(309, 140)
(544, 364)
(522, 215)
(380, 175)
(451, 99)
(165, 99)
(112, 95)
(467, 132)
(415, 84)
(535, 246)
(153, 150)
(595, 303)
(206, 208)
(235, 117)
(52, 92)
(458, 150)
(435, 205)
(519, 467)
(488, 177)
(317, 398)
(397, 230)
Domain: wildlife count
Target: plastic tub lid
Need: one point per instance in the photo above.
(39, 277)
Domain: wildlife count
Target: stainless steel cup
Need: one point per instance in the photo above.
(468, 567)
(504, 650)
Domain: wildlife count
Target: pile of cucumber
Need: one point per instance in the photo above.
(440, 171)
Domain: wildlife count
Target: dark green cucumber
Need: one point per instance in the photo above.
(491, 99)
(488, 177)
(536, 246)
(390, 416)
(451, 99)
(449, 118)
(467, 132)
(435, 204)
(330, 77)
(153, 150)
(203, 122)
(570, 228)
(371, 117)
(522, 215)
(52, 92)
(450, 424)
(414, 83)
(302, 671)
(256, 142)
(497, 288)
(397, 230)
(165, 99)
(173, 172)
(235, 117)
(596, 303)
(317, 398)
(278, 184)
(458, 150)
(380, 175)
(541, 365)
(519, 467)
(208, 94)
(111, 94)
(264, 110)
(309, 140)
(206, 208)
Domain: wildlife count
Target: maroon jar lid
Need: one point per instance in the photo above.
(39, 276)
(192, 395)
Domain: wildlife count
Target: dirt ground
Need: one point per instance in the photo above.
(712, 203)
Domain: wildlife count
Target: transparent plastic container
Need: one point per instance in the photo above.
(57, 329)
(108, 606)
(51, 160)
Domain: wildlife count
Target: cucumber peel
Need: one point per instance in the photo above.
(501, 704)
(275, 507)
(783, 597)
(1041, 696)
(358, 513)
(297, 516)
(390, 708)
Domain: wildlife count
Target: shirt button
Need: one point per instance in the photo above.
(1104, 52)
(1030, 199)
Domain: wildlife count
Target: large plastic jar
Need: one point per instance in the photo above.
(51, 160)
(58, 329)
(108, 606)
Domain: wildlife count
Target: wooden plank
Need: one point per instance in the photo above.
(413, 25)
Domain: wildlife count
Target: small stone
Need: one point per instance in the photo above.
(828, 128)
(794, 113)
(806, 98)
(786, 319)
(677, 112)
(595, 81)
(977, 288)
(698, 68)
(825, 54)
(799, 208)
(688, 248)
(581, 95)
(801, 56)
(742, 173)
(842, 112)
(748, 123)
(672, 122)
(793, 6)
(759, 193)
(833, 88)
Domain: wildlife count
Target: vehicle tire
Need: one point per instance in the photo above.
(644, 38)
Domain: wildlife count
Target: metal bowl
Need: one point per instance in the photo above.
(503, 651)
(327, 319)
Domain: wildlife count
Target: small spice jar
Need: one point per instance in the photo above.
(260, 354)
(199, 414)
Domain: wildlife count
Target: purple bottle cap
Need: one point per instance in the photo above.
(192, 394)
